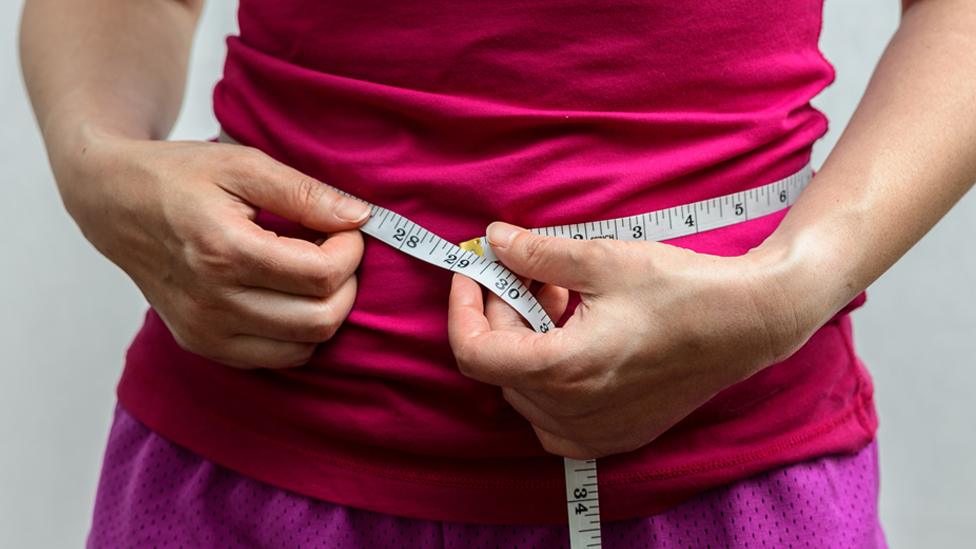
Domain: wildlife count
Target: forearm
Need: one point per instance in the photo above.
(102, 67)
(908, 155)
(112, 65)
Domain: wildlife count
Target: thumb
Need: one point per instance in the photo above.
(271, 185)
(572, 264)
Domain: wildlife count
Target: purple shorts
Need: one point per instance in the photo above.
(153, 493)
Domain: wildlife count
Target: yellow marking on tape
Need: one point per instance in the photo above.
(473, 245)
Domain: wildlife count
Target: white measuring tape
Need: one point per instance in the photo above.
(475, 259)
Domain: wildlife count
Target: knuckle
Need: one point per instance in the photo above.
(248, 159)
(325, 279)
(323, 283)
(565, 394)
(326, 331)
(461, 349)
(228, 355)
(465, 360)
(201, 307)
(244, 161)
(568, 414)
(308, 192)
(212, 253)
(651, 263)
(327, 323)
(549, 371)
(191, 339)
(624, 446)
(186, 340)
(546, 377)
(592, 451)
(200, 340)
(550, 445)
(591, 254)
(295, 355)
(599, 252)
(572, 397)
(535, 248)
(302, 354)
(464, 366)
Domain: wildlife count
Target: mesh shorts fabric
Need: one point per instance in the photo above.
(153, 493)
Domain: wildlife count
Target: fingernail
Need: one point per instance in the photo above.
(500, 234)
(351, 210)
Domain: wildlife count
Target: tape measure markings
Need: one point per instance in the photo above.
(583, 503)
(682, 220)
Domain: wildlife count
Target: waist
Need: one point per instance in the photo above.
(394, 341)
(389, 371)
(382, 404)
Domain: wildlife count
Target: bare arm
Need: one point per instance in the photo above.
(106, 65)
(660, 329)
(908, 155)
(106, 79)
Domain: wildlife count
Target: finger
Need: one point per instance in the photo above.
(251, 352)
(466, 318)
(288, 317)
(513, 358)
(561, 446)
(573, 264)
(532, 412)
(502, 316)
(264, 182)
(266, 260)
(554, 300)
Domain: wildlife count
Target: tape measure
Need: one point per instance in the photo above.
(474, 259)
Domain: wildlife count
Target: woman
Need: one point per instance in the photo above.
(294, 384)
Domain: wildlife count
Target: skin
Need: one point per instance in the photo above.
(178, 217)
(660, 329)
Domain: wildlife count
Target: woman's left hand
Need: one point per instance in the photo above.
(659, 331)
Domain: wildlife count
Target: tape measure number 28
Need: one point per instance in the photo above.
(474, 259)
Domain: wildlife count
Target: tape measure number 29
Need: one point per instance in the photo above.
(474, 259)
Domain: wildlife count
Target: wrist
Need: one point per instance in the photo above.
(83, 159)
(94, 171)
(803, 280)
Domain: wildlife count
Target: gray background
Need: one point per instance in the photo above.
(66, 316)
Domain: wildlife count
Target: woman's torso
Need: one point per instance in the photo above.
(459, 113)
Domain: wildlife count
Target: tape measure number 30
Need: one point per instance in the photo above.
(474, 259)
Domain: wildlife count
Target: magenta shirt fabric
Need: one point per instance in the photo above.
(458, 113)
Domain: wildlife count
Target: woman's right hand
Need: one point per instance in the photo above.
(178, 218)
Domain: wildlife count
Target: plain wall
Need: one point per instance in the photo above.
(67, 315)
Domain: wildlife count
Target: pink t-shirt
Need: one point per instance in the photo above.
(458, 113)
